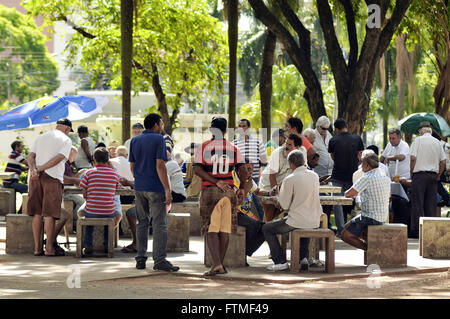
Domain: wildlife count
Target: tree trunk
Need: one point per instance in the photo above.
(441, 92)
(126, 51)
(233, 20)
(265, 81)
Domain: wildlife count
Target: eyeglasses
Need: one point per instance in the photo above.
(324, 128)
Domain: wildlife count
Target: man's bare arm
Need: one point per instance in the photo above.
(412, 164)
(51, 163)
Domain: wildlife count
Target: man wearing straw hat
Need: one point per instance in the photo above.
(427, 165)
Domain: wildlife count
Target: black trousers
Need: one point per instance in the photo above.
(254, 236)
(423, 198)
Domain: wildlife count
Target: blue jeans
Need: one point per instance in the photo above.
(88, 240)
(271, 230)
(359, 224)
(21, 188)
(338, 210)
(151, 205)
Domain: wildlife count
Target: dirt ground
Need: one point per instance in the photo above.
(167, 286)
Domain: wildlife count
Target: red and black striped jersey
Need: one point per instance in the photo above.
(218, 158)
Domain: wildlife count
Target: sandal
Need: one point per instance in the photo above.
(39, 254)
(212, 272)
(129, 249)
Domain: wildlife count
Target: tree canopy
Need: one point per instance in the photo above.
(179, 50)
(28, 69)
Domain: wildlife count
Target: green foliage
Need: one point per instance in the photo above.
(287, 99)
(180, 37)
(25, 62)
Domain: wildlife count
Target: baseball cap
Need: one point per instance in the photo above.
(82, 129)
(138, 125)
(425, 124)
(65, 122)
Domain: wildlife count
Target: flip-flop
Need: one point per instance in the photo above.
(39, 254)
(211, 273)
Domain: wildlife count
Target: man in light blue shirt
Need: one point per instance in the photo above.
(374, 190)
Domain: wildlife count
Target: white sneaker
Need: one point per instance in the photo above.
(304, 264)
(278, 267)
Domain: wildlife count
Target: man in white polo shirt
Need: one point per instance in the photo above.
(427, 165)
(396, 150)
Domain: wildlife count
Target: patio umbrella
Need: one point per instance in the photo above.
(410, 124)
(48, 110)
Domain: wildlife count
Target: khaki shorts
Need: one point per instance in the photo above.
(45, 196)
(221, 217)
(209, 199)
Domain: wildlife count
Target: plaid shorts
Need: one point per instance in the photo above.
(209, 197)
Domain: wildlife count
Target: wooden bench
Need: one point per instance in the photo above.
(19, 234)
(178, 232)
(387, 245)
(235, 256)
(7, 201)
(434, 237)
(82, 221)
(325, 233)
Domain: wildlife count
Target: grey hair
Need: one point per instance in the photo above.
(426, 130)
(308, 132)
(323, 121)
(369, 157)
(395, 131)
(296, 157)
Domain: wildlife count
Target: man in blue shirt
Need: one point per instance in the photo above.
(151, 184)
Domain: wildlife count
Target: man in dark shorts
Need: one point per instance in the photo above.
(46, 160)
(374, 188)
(214, 162)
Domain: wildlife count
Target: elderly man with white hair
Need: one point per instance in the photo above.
(299, 195)
(427, 164)
(374, 189)
(323, 137)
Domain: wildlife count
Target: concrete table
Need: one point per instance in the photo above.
(330, 189)
(6, 175)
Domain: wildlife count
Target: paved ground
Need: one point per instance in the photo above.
(26, 276)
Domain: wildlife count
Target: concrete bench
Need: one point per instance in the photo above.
(387, 245)
(7, 201)
(325, 233)
(235, 256)
(19, 234)
(434, 237)
(126, 231)
(193, 208)
(97, 237)
(178, 232)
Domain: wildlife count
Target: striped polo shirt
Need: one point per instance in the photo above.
(218, 158)
(101, 183)
(14, 165)
(254, 150)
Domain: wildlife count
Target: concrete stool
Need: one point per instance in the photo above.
(387, 245)
(7, 201)
(193, 208)
(25, 198)
(126, 231)
(68, 206)
(434, 237)
(326, 233)
(95, 222)
(235, 256)
(19, 234)
(178, 232)
(317, 244)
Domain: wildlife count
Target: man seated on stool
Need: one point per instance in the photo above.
(374, 189)
(99, 188)
(299, 195)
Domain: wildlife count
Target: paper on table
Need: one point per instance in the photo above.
(396, 166)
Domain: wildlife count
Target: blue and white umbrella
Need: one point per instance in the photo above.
(48, 110)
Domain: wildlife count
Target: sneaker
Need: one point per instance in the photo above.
(141, 263)
(304, 264)
(88, 252)
(166, 266)
(278, 267)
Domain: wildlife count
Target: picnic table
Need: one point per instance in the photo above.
(324, 200)
(125, 191)
(6, 175)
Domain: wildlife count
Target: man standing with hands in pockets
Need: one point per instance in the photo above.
(151, 184)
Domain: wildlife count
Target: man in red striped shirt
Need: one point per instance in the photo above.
(214, 162)
(99, 186)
